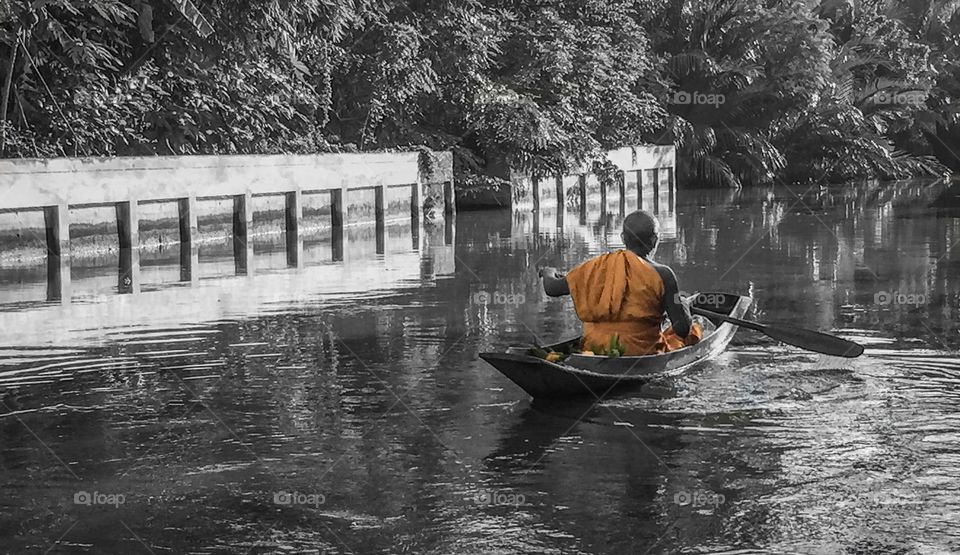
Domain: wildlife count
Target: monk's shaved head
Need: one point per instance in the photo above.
(641, 230)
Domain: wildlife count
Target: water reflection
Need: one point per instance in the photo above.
(359, 382)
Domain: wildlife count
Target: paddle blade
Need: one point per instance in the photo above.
(813, 340)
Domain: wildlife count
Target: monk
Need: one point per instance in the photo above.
(625, 294)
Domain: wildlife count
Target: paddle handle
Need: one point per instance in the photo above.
(756, 326)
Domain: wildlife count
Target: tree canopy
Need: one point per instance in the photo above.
(750, 91)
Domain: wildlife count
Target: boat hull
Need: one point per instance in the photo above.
(585, 375)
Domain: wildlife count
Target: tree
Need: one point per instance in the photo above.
(867, 122)
(732, 69)
(749, 90)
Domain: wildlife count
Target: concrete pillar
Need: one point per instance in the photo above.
(380, 218)
(535, 192)
(671, 183)
(336, 224)
(656, 190)
(603, 197)
(449, 228)
(621, 184)
(536, 227)
(294, 216)
(561, 201)
(415, 193)
(242, 224)
(449, 200)
(449, 212)
(639, 189)
(57, 224)
(189, 253)
(582, 184)
(128, 232)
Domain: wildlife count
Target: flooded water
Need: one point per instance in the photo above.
(341, 408)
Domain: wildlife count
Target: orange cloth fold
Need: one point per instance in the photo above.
(619, 293)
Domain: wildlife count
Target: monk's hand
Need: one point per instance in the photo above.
(550, 272)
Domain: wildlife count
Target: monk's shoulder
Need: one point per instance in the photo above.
(667, 275)
(590, 262)
(579, 272)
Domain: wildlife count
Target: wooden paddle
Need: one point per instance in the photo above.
(791, 335)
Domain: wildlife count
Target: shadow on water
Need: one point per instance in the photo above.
(543, 423)
(536, 432)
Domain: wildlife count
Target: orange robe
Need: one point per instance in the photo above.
(620, 293)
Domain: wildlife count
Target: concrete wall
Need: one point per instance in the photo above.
(648, 174)
(30, 183)
(73, 205)
(516, 194)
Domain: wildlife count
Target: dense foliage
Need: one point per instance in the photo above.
(749, 90)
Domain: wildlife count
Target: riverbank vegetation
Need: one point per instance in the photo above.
(750, 91)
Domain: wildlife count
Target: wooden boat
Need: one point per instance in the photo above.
(582, 375)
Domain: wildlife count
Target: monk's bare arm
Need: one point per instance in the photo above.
(679, 313)
(554, 283)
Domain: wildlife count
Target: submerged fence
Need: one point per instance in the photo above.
(57, 185)
(643, 178)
